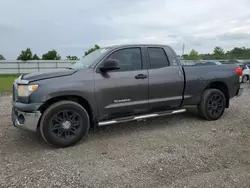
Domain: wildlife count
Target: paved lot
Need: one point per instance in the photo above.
(173, 151)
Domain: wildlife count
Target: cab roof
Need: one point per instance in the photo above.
(135, 45)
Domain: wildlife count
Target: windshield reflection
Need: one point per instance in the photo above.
(88, 60)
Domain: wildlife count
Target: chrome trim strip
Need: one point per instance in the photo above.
(107, 123)
(140, 117)
(146, 116)
(178, 111)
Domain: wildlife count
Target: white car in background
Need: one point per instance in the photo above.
(246, 71)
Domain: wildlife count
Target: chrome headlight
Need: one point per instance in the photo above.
(26, 90)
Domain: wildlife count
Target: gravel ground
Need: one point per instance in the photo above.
(173, 151)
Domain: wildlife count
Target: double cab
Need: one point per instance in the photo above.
(117, 84)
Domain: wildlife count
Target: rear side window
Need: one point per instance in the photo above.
(158, 58)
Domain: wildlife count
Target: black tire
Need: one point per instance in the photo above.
(212, 104)
(64, 124)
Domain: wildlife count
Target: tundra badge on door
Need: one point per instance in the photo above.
(122, 100)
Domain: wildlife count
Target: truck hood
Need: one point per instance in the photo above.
(48, 74)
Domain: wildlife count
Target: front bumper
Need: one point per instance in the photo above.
(26, 115)
(25, 120)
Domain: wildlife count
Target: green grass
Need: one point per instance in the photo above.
(6, 82)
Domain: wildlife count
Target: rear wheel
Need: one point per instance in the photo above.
(64, 124)
(212, 105)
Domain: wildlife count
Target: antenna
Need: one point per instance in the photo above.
(183, 49)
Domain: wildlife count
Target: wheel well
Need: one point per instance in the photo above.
(80, 100)
(222, 87)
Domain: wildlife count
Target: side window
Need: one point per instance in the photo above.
(158, 58)
(129, 59)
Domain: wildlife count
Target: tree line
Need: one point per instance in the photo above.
(26, 55)
(217, 54)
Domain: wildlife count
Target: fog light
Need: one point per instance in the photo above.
(21, 119)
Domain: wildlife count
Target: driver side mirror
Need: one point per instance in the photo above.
(110, 64)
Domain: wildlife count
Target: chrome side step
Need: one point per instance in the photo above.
(133, 118)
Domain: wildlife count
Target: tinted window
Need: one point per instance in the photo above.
(158, 58)
(129, 59)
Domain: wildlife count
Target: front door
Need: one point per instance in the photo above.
(123, 92)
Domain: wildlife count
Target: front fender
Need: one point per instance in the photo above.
(64, 86)
(86, 95)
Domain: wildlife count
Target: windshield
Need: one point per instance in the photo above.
(88, 60)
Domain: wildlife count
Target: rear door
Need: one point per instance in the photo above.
(166, 80)
(123, 92)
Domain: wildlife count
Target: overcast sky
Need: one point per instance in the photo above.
(73, 26)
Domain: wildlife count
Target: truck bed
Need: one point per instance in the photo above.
(198, 78)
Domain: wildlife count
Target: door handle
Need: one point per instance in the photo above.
(141, 76)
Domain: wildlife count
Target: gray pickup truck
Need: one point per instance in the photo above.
(118, 84)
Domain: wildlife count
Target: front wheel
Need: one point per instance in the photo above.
(64, 124)
(212, 104)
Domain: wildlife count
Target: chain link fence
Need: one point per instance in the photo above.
(20, 67)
